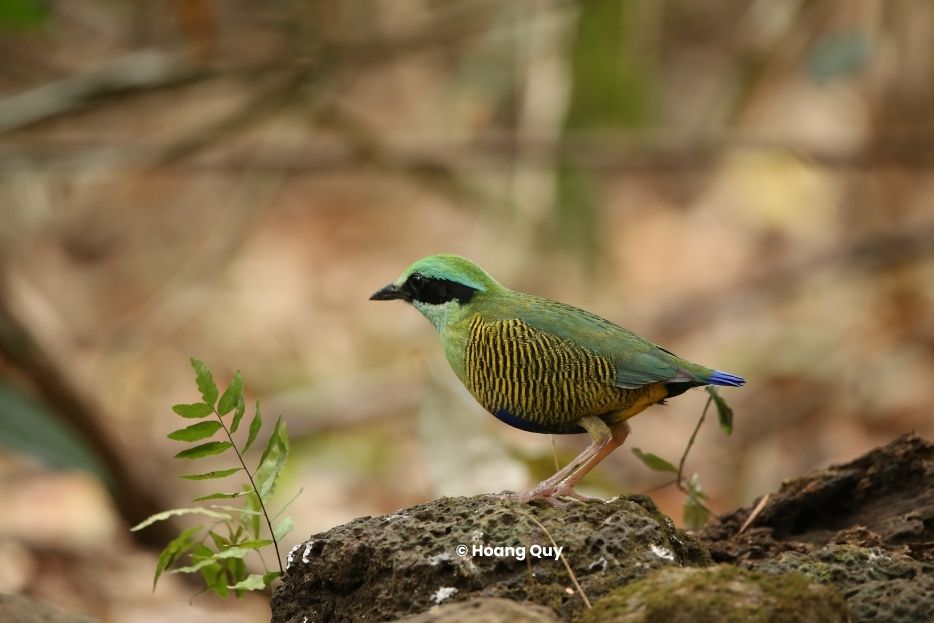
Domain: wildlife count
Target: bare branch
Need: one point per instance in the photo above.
(137, 72)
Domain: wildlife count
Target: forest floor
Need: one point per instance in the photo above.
(850, 542)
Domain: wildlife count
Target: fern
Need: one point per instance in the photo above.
(218, 548)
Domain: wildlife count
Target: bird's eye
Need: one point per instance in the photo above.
(417, 279)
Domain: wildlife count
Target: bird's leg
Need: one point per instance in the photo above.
(601, 435)
(619, 432)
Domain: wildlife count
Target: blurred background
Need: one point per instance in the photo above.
(749, 183)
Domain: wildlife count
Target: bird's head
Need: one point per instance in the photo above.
(442, 287)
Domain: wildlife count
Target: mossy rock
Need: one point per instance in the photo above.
(720, 594)
(382, 568)
(878, 585)
(485, 610)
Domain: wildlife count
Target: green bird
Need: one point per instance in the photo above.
(543, 366)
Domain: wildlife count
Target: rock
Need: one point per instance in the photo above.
(855, 536)
(884, 498)
(878, 585)
(865, 527)
(485, 610)
(381, 568)
(21, 609)
(718, 594)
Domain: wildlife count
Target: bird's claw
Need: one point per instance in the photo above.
(568, 491)
(550, 494)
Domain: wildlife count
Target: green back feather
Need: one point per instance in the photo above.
(637, 361)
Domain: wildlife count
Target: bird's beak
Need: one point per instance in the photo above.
(388, 293)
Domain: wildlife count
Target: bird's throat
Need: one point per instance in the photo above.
(441, 315)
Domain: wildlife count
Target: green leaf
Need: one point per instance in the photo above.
(30, 426)
(234, 509)
(216, 578)
(220, 473)
(272, 461)
(695, 514)
(219, 541)
(202, 552)
(179, 511)
(201, 430)
(211, 570)
(205, 381)
(232, 395)
(201, 563)
(253, 508)
(23, 14)
(253, 582)
(724, 412)
(236, 571)
(205, 449)
(196, 410)
(218, 496)
(282, 528)
(239, 410)
(655, 462)
(202, 557)
(254, 543)
(233, 552)
(255, 424)
(838, 55)
(178, 546)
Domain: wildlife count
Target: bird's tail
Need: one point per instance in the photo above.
(726, 379)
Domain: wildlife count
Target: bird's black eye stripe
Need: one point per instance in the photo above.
(434, 291)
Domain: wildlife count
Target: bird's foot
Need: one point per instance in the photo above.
(545, 493)
(567, 491)
(551, 494)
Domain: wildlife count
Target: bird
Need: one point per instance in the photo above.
(542, 366)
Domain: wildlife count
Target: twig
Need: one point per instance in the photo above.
(554, 452)
(138, 72)
(755, 513)
(561, 556)
(148, 71)
(655, 154)
(263, 104)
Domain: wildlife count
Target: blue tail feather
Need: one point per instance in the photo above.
(725, 378)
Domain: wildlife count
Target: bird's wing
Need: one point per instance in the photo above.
(638, 361)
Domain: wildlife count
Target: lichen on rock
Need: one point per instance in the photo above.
(380, 568)
(485, 610)
(864, 527)
(719, 594)
(878, 585)
(859, 532)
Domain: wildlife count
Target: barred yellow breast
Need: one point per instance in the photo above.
(539, 382)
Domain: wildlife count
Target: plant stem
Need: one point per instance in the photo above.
(687, 449)
(262, 506)
(680, 479)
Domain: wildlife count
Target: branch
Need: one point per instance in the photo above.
(147, 71)
(135, 73)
